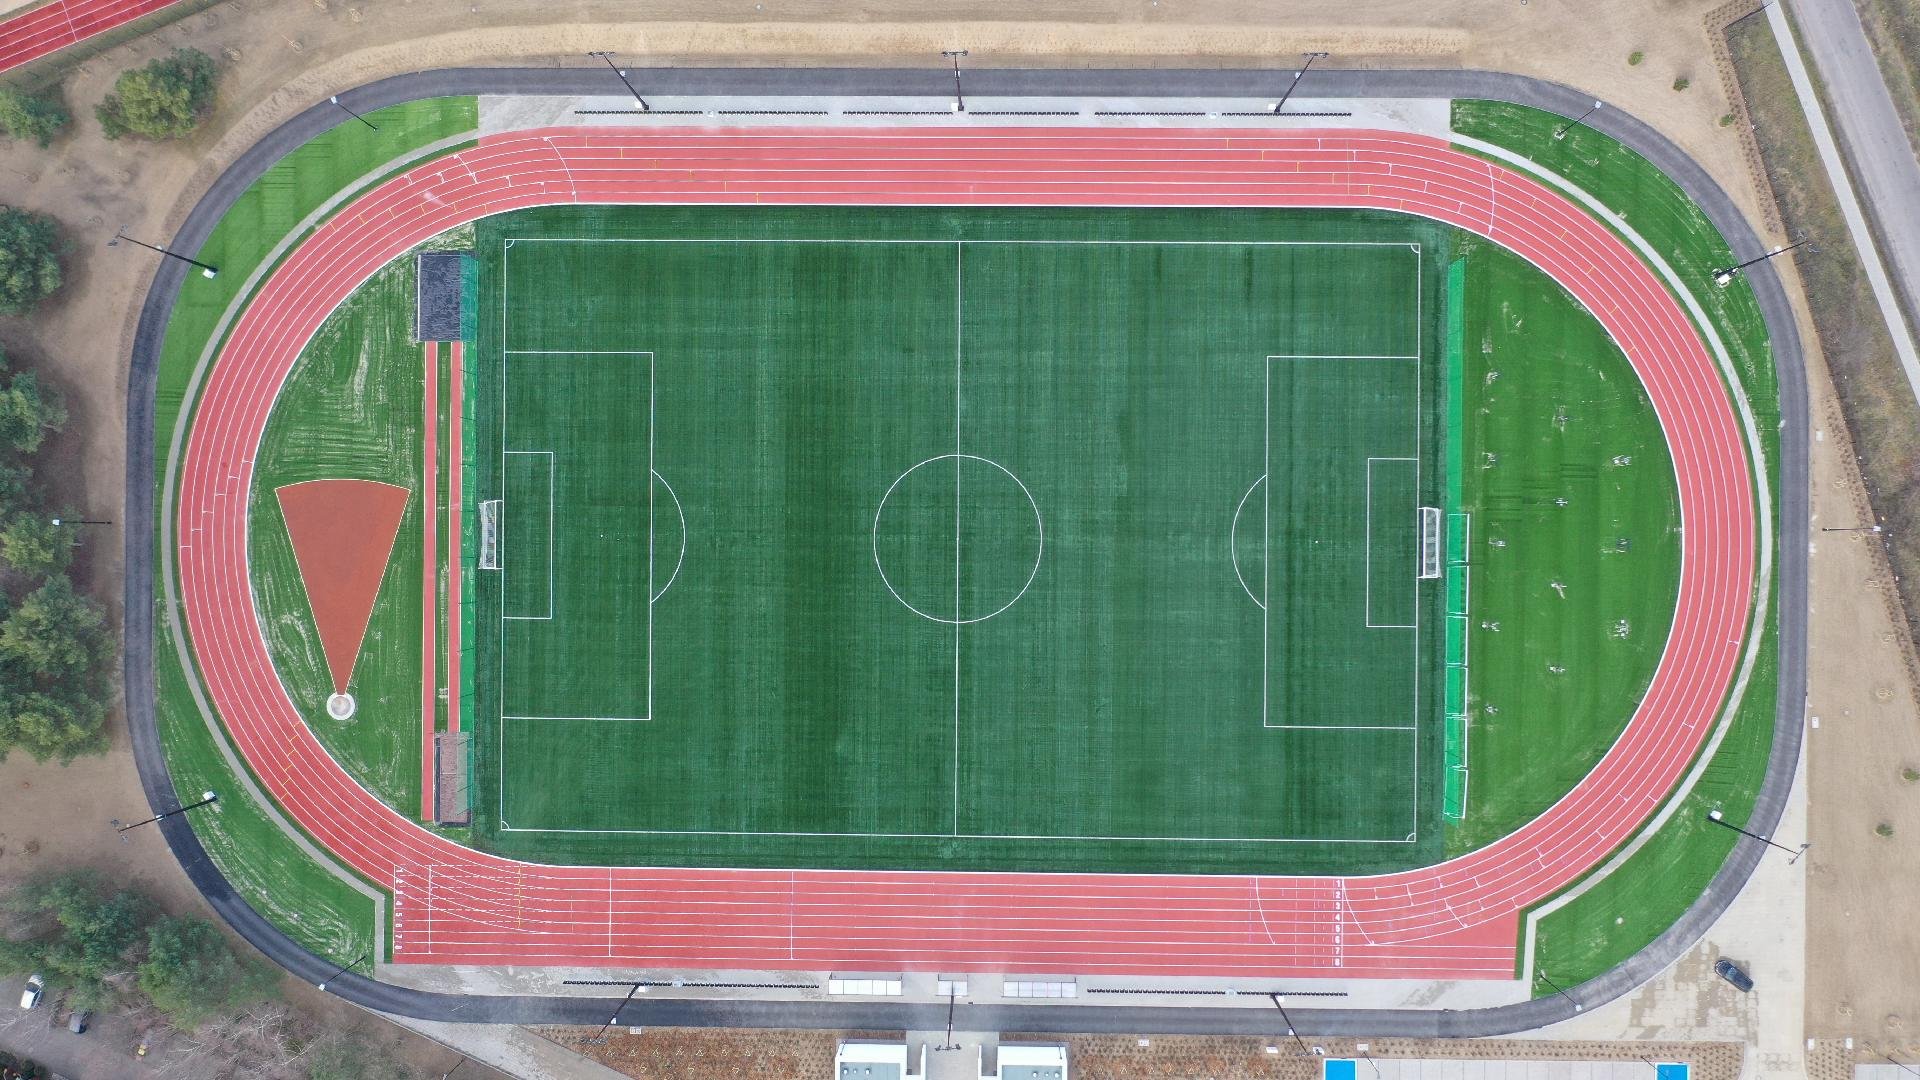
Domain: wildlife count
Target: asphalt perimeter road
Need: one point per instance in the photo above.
(813, 82)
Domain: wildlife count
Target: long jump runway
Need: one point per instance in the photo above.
(1458, 919)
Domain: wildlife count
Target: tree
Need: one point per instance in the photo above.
(55, 635)
(76, 933)
(29, 259)
(27, 412)
(164, 100)
(32, 116)
(192, 975)
(48, 725)
(33, 545)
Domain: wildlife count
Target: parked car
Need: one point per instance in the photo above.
(36, 988)
(1731, 972)
(77, 1023)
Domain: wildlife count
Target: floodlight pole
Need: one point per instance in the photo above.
(1280, 105)
(1561, 132)
(348, 966)
(206, 797)
(1725, 275)
(336, 100)
(959, 102)
(949, 1044)
(1577, 1007)
(1288, 1020)
(61, 522)
(611, 1020)
(1794, 856)
(608, 57)
(1852, 528)
(121, 234)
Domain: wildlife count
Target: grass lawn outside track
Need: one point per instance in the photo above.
(930, 538)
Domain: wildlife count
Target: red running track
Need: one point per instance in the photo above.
(1456, 919)
(34, 33)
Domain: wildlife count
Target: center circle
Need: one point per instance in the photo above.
(958, 539)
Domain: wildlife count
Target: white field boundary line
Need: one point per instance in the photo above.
(1842, 183)
(959, 352)
(959, 247)
(164, 517)
(948, 240)
(1763, 593)
(552, 478)
(1366, 586)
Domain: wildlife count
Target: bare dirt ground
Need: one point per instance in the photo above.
(278, 56)
(684, 1054)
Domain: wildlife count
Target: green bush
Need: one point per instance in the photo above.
(164, 100)
(192, 975)
(29, 259)
(71, 929)
(1682, 83)
(38, 117)
(1634, 58)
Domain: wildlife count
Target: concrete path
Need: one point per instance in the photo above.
(1876, 144)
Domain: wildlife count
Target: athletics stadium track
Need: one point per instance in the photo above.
(1453, 920)
(37, 32)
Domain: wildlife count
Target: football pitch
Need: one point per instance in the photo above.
(982, 539)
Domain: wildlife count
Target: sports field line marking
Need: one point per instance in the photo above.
(1342, 727)
(521, 716)
(552, 478)
(958, 406)
(962, 836)
(942, 241)
(959, 329)
(1233, 544)
(1366, 609)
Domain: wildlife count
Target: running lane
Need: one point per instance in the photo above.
(36, 32)
(1456, 919)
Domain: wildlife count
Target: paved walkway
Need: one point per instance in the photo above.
(1877, 146)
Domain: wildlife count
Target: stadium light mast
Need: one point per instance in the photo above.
(1718, 818)
(348, 966)
(1295, 84)
(1724, 276)
(607, 55)
(336, 100)
(1561, 132)
(959, 102)
(205, 798)
(121, 234)
(1288, 1020)
(1558, 989)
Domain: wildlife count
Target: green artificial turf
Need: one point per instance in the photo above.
(869, 442)
(351, 410)
(1644, 896)
(266, 866)
(1575, 554)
